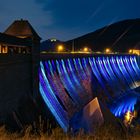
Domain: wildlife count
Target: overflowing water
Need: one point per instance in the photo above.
(67, 85)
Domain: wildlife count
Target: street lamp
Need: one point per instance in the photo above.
(60, 48)
(130, 51)
(85, 49)
(107, 50)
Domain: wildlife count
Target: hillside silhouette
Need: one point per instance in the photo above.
(120, 37)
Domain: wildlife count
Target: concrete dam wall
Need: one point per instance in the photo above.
(66, 84)
(69, 84)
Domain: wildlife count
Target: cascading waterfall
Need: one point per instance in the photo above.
(67, 85)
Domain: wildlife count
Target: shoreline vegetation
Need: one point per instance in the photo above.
(104, 132)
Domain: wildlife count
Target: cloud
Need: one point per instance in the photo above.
(26, 9)
(67, 18)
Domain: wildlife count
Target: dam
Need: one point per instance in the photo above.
(68, 84)
(72, 89)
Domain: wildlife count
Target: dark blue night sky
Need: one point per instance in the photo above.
(66, 19)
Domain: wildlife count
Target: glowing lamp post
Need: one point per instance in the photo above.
(107, 50)
(60, 48)
(85, 49)
(130, 51)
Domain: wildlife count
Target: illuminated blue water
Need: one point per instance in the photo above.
(67, 85)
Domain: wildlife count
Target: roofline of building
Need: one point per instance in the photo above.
(13, 40)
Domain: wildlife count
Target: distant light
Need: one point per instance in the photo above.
(128, 118)
(85, 49)
(53, 40)
(130, 51)
(60, 48)
(137, 52)
(107, 50)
